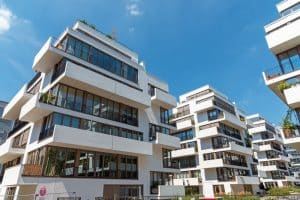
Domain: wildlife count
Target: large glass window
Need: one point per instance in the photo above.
(96, 108)
(62, 94)
(213, 114)
(82, 101)
(78, 100)
(84, 124)
(185, 135)
(90, 54)
(62, 162)
(167, 159)
(159, 178)
(70, 98)
(88, 103)
(164, 116)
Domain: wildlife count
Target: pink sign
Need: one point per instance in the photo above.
(43, 191)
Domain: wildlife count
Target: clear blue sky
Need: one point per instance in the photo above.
(188, 43)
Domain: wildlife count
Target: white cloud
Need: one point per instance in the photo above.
(133, 8)
(6, 17)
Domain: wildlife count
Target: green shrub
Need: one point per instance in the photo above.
(238, 197)
(283, 85)
(283, 191)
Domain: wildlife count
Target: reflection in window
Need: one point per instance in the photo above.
(81, 101)
(90, 54)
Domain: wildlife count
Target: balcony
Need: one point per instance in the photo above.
(34, 110)
(230, 147)
(270, 168)
(292, 96)
(283, 34)
(102, 85)
(203, 105)
(216, 163)
(247, 180)
(268, 147)
(17, 126)
(170, 190)
(165, 140)
(163, 99)
(234, 120)
(9, 152)
(292, 138)
(12, 110)
(185, 123)
(77, 138)
(32, 170)
(47, 56)
(208, 132)
(196, 181)
(184, 152)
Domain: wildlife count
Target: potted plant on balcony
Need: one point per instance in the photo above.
(47, 97)
(288, 126)
(283, 85)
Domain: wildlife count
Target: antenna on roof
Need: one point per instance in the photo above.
(113, 35)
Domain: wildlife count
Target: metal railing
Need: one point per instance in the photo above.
(279, 71)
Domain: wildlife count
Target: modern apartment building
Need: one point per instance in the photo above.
(214, 145)
(294, 168)
(267, 144)
(283, 39)
(91, 123)
(5, 125)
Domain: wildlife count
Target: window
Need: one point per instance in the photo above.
(63, 162)
(185, 135)
(90, 54)
(164, 116)
(182, 111)
(159, 178)
(62, 94)
(84, 124)
(151, 90)
(110, 109)
(88, 103)
(219, 189)
(213, 114)
(10, 193)
(70, 98)
(104, 108)
(96, 107)
(167, 159)
(20, 141)
(82, 101)
(78, 100)
(153, 129)
(187, 162)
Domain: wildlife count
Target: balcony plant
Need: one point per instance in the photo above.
(47, 97)
(283, 85)
(288, 126)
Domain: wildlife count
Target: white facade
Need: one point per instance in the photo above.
(213, 141)
(283, 39)
(83, 124)
(273, 161)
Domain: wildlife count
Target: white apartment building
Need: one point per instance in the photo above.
(267, 144)
(294, 168)
(213, 143)
(283, 39)
(92, 123)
